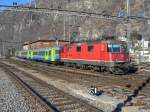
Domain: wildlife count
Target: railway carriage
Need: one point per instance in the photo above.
(24, 54)
(51, 55)
(40, 54)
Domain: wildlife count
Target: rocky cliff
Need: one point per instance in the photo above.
(28, 26)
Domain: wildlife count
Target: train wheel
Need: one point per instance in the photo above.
(133, 68)
(116, 70)
(125, 69)
(74, 65)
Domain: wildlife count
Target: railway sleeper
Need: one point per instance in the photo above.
(41, 90)
(44, 94)
(47, 92)
(69, 107)
(82, 109)
(57, 99)
(65, 100)
(60, 99)
(54, 96)
(59, 104)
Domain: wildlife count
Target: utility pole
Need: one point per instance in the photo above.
(3, 47)
(143, 31)
(64, 27)
(128, 8)
(69, 31)
(128, 23)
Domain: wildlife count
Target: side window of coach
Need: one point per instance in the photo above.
(24, 53)
(50, 53)
(41, 53)
(90, 48)
(35, 53)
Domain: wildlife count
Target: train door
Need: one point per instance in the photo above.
(102, 53)
(90, 52)
(28, 54)
(46, 55)
(49, 55)
(31, 55)
(53, 55)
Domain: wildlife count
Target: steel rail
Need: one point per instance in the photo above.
(122, 81)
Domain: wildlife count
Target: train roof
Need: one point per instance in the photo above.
(40, 49)
(97, 42)
(47, 48)
(53, 40)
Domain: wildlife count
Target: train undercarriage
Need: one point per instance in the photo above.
(117, 68)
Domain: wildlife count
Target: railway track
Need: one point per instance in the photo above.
(124, 80)
(52, 98)
(110, 84)
(92, 73)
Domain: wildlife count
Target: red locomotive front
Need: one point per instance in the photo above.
(105, 55)
(117, 52)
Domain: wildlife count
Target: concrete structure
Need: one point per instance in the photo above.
(44, 44)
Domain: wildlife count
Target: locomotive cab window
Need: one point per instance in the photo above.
(115, 48)
(125, 48)
(78, 48)
(90, 48)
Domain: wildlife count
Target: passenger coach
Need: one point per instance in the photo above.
(51, 55)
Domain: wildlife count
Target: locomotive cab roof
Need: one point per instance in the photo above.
(97, 42)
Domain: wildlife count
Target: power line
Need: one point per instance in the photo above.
(4, 41)
(72, 13)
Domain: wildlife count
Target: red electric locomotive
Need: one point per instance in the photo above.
(103, 55)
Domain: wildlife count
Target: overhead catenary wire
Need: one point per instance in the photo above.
(4, 41)
(73, 13)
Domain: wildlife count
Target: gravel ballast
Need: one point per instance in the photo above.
(13, 98)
